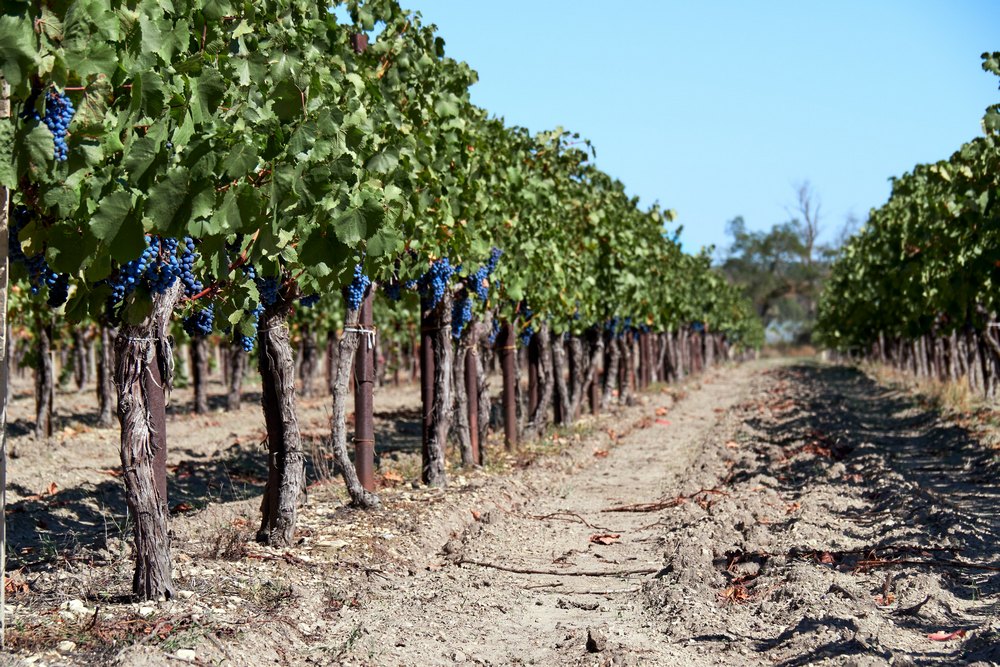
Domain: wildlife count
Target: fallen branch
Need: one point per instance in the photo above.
(614, 591)
(564, 516)
(560, 573)
(663, 504)
(937, 562)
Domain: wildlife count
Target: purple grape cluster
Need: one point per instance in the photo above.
(39, 273)
(461, 314)
(192, 285)
(479, 282)
(394, 290)
(247, 342)
(309, 301)
(59, 113)
(432, 285)
(495, 331)
(158, 266)
(268, 289)
(526, 335)
(356, 290)
(529, 331)
(199, 323)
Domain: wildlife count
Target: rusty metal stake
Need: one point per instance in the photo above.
(508, 357)
(364, 385)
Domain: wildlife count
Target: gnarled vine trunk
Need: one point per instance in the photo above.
(612, 361)
(199, 373)
(237, 369)
(436, 324)
(285, 458)
(561, 395)
(44, 377)
(310, 361)
(81, 357)
(105, 376)
(346, 348)
(539, 418)
(143, 375)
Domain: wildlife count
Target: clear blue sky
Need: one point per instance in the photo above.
(716, 109)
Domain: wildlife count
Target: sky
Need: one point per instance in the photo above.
(718, 109)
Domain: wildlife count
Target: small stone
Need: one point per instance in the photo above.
(596, 640)
(186, 654)
(66, 646)
(146, 611)
(186, 595)
(458, 656)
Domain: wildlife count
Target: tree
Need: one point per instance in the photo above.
(782, 269)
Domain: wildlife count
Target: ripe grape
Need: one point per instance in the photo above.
(309, 301)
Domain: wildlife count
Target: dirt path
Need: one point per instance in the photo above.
(478, 612)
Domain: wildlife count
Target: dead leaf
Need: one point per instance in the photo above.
(732, 444)
(51, 489)
(942, 636)
(182, 507)
(826, 558)
(604, 538)
(392, 476)
(114, 472)
(476, 515)
(735, 594)
(661, 411)
(15, 583)
(601, 453)
(664, 422)
(886, 600)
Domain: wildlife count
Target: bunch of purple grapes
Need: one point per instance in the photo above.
(309, 301)
(461, 313)
(59, 113)
(529, 331)
(160, 265)
(199, 323)
(356, 290)
(247, 342)
(432, 285)
(268, 289)
(39, 273)
(394, 288)
(192, 285)
(479, 281)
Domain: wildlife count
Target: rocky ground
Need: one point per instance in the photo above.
(772, 513)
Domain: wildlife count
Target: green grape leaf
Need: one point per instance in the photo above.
(110, 214)
(18, 53)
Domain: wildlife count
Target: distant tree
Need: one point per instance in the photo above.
(782, 269)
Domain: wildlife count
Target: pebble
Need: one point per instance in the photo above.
(186, 654)
(66, 646)
(458, 656)
(187, 595)
(596, 640)
(146, 611)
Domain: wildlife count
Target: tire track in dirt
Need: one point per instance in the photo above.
(462, 612)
